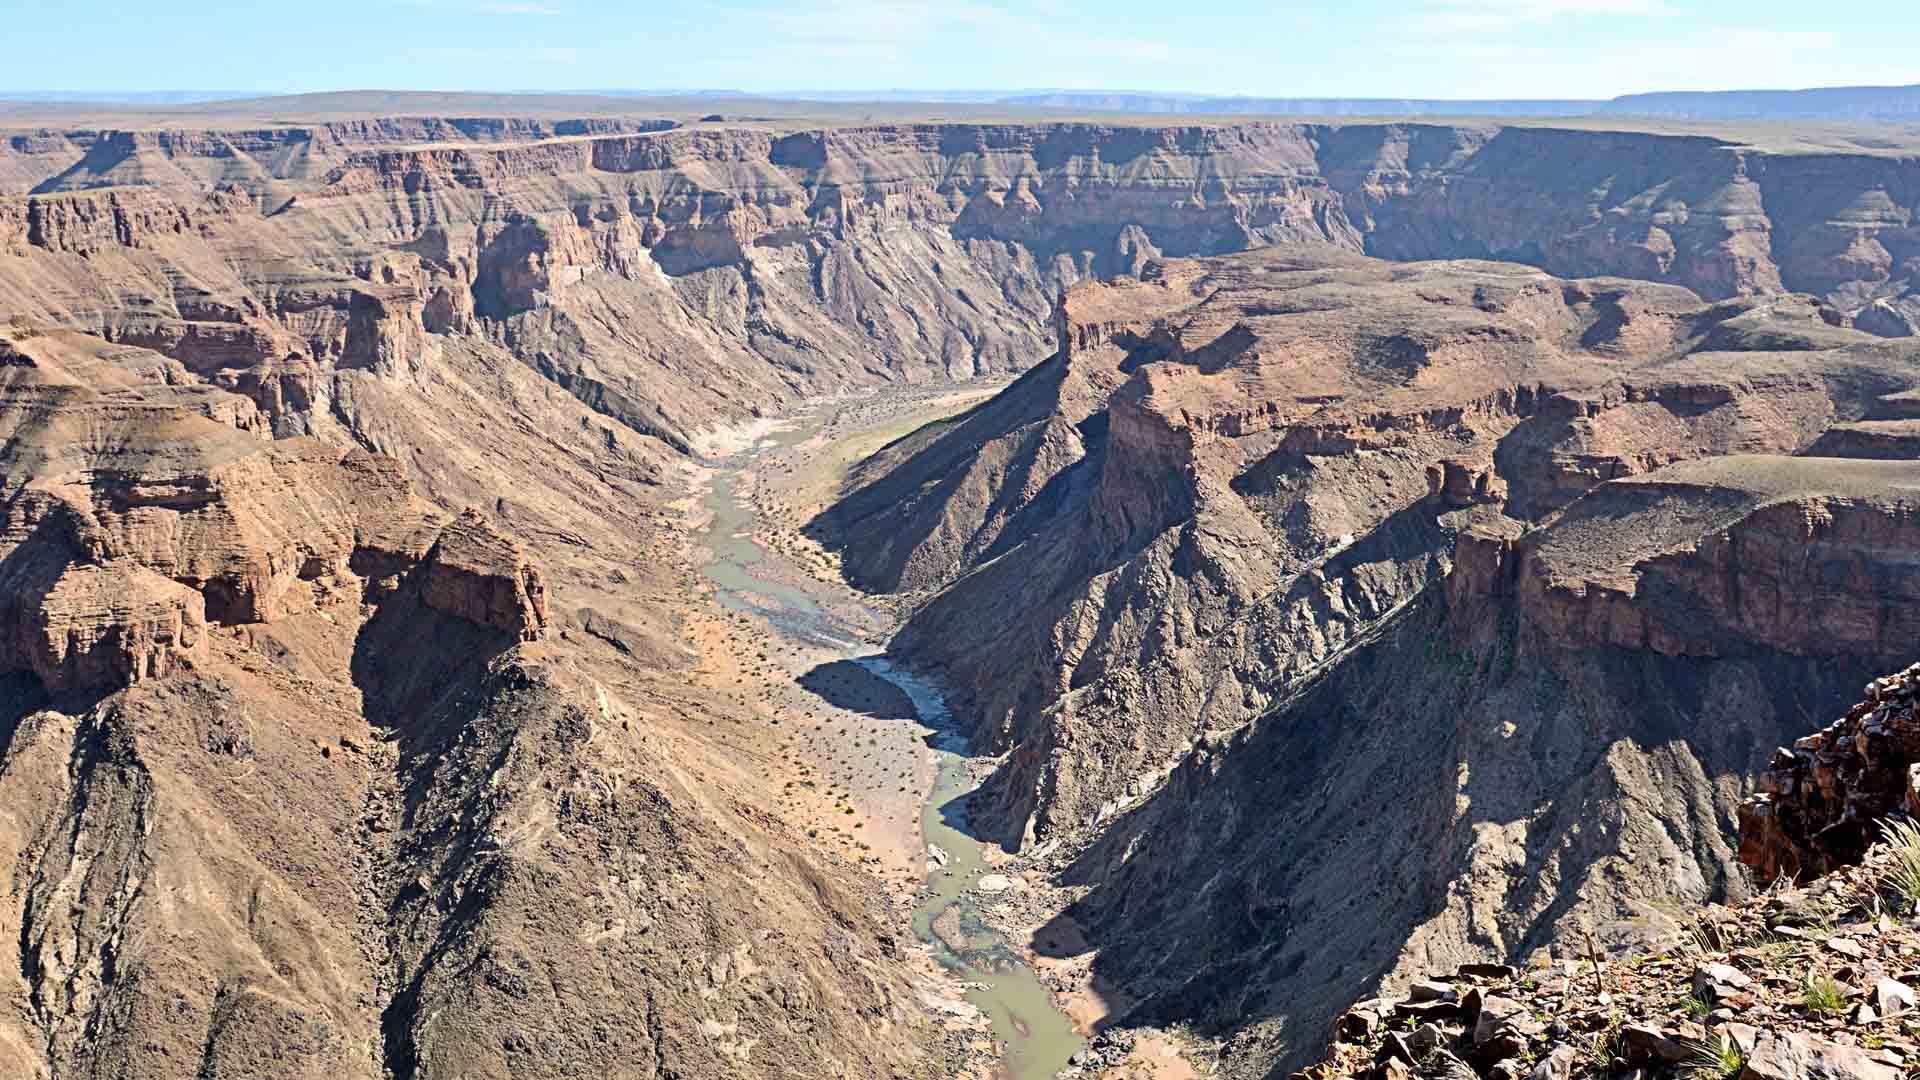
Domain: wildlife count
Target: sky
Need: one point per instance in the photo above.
(1459, 49)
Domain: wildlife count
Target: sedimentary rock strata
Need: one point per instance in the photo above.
(1823, 800)
(331, 451)
(1562, 534)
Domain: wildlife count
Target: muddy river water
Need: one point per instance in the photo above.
(1037, 1038)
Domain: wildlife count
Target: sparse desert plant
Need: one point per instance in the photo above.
(1821, 995)
(1703, 935)
(1903, 867)
(1717, 1058)
(1607, 1053)
(1821, 921)
(1697, 1006)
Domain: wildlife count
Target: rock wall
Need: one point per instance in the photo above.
(1328, 509)
(1720, 217)
(1823, 800)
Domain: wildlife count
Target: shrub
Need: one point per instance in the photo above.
(1821, 995)
(1718, 1058)
(1903, 871)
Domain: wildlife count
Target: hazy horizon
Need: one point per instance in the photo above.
(1391, 49)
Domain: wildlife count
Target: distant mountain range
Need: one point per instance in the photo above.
(1881, 104)
(131, 97)
(1888, 104)
(1885, 104)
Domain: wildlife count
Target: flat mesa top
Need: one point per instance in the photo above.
(785, 115)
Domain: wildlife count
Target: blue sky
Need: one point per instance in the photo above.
(1353, 48)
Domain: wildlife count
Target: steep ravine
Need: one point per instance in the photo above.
(1032, 1038)
(1509, 582)
(249, 378)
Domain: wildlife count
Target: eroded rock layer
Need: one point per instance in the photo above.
(1266, 522)
(337, 458)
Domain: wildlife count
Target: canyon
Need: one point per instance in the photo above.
(1491, 499)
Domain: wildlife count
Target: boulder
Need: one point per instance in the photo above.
(1796, 1055)
(1719, 981)
(1892, 997)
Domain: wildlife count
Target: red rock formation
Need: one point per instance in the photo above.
(1711, 557)
(1820, 802)
(478, 574)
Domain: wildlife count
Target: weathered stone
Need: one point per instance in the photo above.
(1487, 972)
(1719, 980)
(1892, 997)
(1427, 1010)
(1495, 1011)
(1394, 1048)
(1556, 1065)
(477, 573)
(1796, 1055)
(1650, 1044)
(1425, 1040)
(1443, 1065)
(1356, 1025)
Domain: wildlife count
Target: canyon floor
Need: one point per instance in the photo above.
(858, 764)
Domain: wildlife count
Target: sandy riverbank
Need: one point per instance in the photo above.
(852, 762)
(854, 765)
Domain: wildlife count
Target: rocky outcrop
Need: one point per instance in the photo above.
(97, 626)
(1822, 801)
(1714, 556)
(1798, 986)
(1565, 536)
(477, 574)
(132, 523)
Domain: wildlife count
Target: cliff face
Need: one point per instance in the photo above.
(328, 778)
(679, 278)
(1555, 533)
(304, 782)
(315, 774)
(1719, 217)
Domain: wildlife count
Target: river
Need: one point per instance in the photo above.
(1037, 1039)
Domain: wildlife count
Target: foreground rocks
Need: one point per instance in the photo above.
(1813, 983)
(1815, 978)
(1823, 800)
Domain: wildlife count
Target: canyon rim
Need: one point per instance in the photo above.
(702, 585)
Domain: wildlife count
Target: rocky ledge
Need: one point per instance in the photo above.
(1820, 803)
(1807, 980)
(1813, 982)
